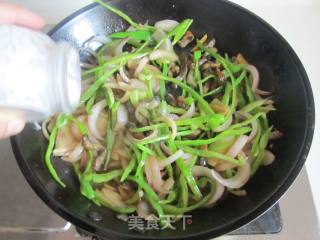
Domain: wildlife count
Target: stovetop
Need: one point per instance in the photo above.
(24, 216)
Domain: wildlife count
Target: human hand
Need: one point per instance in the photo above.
(15, 14)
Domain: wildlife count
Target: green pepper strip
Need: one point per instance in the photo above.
(141, 161)
(214, 92)
(177, 110)
(249, 91)
(252, 105)
(146, 149)
(197, 74)
(80, 125)
(106, 177)
(85, 180)
(202, 103)
(233, 80)
(207, 78)
(226, 95)
(109, 140)
(150, 194)
(227, 133)
(186, 171)
(255, 142)
(90, 104)
(128, 169)
(171, 209)
(241, 77)
(178, 32)
(124, 210)
(262, 146)
(247, 121)
(211, 154)
(121, 59)
(191, 121)
(142, 35)
(124, 16)
(171, 197)
(96, 85)
(183, 200)
(61, 121)
(162, 83)
(109, 97)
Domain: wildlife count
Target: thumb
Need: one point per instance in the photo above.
(10, 126)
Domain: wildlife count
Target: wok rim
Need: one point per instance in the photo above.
(229, 226)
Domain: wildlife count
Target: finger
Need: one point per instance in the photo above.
(10, 13)
(10, 127)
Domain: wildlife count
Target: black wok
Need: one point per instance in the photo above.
(236, 30)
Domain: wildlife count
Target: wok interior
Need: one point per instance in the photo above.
(235, 31)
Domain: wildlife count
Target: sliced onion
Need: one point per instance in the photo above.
(93, 117)
(153, 135)
(159, 35)
(237, 146)
(239, 193)
(263, 93)
(153, 174)
(44, 128)
(111, 197)
(159, 53)
(85, 84)
(276, 134)
(153, 68)
(123, 217)
(156, 174)
(148, 172)
(199, 171)
(96, 41)
(190, 113)
(75, 130)
(142, 63)
(143, 209)
(137, 84)
(224, 126)
(165, 148)
(125, 97)
(171, 158)
(237, 181)
(190, 77)
(148, 105)
(166, 24)
(254, 74)
(254, 125)
(268, 158)
(170, 120)
(75, 154)
(87, 65)
(65, 142)
(123, 74)
(166, 186)
(183, 66)
(118, 50)
(216, 196)
(223, 166)
(122, 116)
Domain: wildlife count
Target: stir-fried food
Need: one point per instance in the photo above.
(166, 123)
